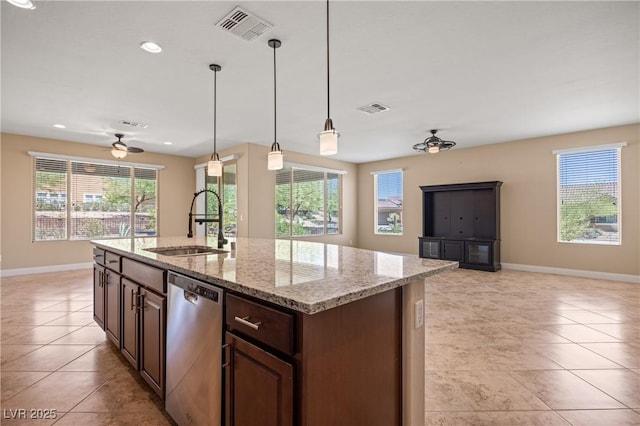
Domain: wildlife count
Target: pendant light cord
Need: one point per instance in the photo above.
(215, 151)
(274, 96)
(328, 95)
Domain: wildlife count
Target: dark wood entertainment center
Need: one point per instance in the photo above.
(462, 222)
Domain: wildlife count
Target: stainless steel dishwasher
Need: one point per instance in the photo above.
(194, 351)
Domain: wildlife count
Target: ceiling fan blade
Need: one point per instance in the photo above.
(135, 150)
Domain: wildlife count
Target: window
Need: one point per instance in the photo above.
(103, 201)
(308, 202)
(229, 200)
(589, 195)
(388, 208)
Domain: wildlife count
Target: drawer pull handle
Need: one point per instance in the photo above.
(245, 321)
(112, 261)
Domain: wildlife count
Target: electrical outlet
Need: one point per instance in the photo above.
(419, 313)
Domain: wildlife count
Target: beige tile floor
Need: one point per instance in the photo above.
(506, 348)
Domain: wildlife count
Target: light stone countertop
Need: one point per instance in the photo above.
(304, 276)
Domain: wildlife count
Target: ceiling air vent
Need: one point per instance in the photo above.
(374, 108)
(134, 124)
(244, 25)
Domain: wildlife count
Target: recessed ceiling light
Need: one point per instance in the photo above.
(60, 126)
(168, 143)
(25, 4)
(150, 47)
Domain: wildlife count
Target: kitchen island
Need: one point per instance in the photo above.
(349, 324)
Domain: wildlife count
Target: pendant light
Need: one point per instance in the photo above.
(328, 137)
(214, 166)
(275, 157)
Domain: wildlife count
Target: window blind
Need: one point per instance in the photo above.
(589, 196)
(388, 187)
(50, 199)
(79, 199)
(307, 202)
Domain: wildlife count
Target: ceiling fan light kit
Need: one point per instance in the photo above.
(434, 144)
(120, 149)
(214, 165)
(118, 153)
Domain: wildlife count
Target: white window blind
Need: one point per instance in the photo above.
(92, 200)
(307, 202)
(388, 188)
(50, 201)
(589, 196)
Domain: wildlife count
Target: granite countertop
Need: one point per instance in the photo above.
(304, 276)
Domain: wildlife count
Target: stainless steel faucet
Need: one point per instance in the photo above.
(221, 239)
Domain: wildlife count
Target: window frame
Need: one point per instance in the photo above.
(375, 203)
(70, 195)
(219, 184)
(291, 167)
(594, 148)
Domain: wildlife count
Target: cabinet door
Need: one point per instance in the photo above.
(461, 214)
(479, 253)
(429, 249)
(484, 214)
(112, 306)
(152, 326)
(453, 250)
(98, 295)
(441, 214)
(129, 305)
(259, 386)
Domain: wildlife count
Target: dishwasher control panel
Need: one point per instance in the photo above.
(191, 285)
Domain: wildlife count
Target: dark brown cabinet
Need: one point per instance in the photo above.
(259, 386)
(112, 306)
(152, 332)
(144, 318)
(106, 293)
(143, 332)
(130, 321)
(98, 295)
(129, 303)
(461, 222)
(339, 366)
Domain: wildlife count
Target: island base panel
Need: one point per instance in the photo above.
(352, 363)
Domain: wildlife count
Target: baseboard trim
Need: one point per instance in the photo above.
(574, 272)
(44, 269)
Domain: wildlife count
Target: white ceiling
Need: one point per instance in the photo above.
(483, 72)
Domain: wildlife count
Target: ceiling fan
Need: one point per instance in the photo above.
(434, 144)
(120, 149)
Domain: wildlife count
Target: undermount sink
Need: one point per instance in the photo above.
(185, 250)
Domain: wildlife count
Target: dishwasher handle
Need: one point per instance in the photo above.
(190, 297)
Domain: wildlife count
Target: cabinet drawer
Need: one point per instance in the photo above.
(267, 325)
(98, 256)
(112, 261)
(144, 274)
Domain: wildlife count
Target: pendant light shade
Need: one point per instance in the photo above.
(214, 166)
(328, 139)
(329, 136)
(275, 159)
